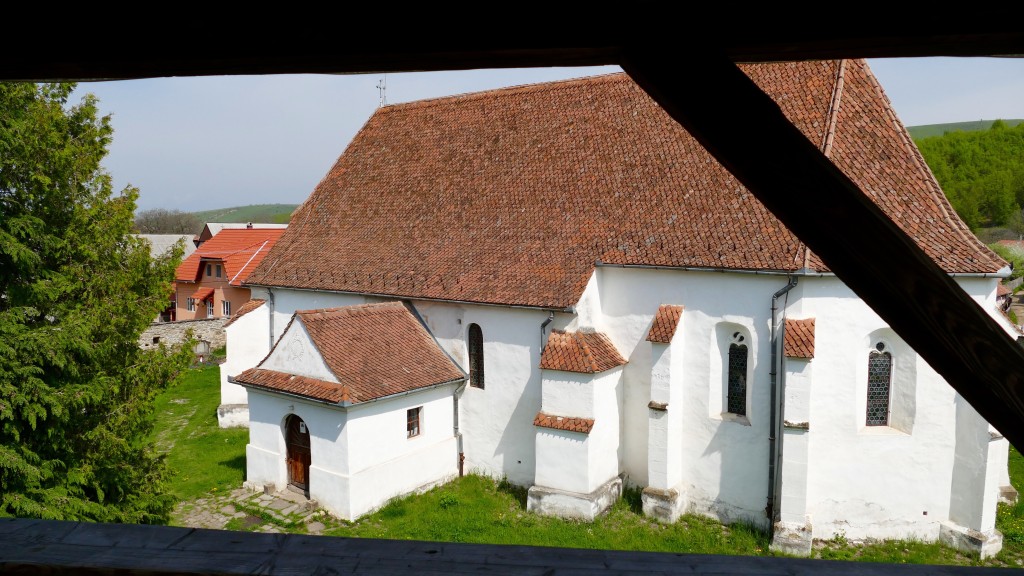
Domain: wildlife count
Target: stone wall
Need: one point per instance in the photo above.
(208, 329)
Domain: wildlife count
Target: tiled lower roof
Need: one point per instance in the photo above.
(585, 352)
(798, 338)
(245, 309)
(665, 322)
(202, 294)
(304, 386)
(571, 424)
(374, 350)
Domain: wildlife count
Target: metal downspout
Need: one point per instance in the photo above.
(551, 316)
(775, 422)
(460, 457)
(270, 297)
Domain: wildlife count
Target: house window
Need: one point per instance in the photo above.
(218, 270)
(208, 268)
(209, 308)
(476, 356)
(879, 385)
(412, 422)
(225, 308)
(190, 304)
(737, 379)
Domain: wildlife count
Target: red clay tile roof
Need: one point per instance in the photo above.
(585, 352)
(798, 338)
(665, 322)
(202, 294)
(511, 196)
(584, 425)
(241, 251)
(374, 350)
(1002, 290)
(298, 385)
(245, 309)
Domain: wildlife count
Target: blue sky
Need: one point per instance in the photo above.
(203, 143)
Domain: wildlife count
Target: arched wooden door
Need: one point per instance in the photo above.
(296, 436)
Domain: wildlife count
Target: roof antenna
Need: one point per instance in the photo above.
(382, 89)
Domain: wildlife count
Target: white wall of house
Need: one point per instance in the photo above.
(899, 473)
(497, 421)
(296, 354)
(724, 459)
(247, 344)
(880, 481)
(360, 456)
(574, 461)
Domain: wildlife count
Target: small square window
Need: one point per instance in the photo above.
(412, 422)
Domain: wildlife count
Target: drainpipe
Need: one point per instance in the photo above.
(551, 316)
(270, 298)
(461, 457)
(775, 422)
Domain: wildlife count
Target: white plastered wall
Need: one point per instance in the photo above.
(247, 344)
(723, 460)
(360, 456)
(296, 354)
(880, 481)
(575, 461)
(497, 421)
(665, 427)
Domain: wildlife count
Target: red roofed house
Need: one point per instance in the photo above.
(626, 311)
(208, 283)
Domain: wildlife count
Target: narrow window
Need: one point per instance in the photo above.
(412, 422)
(218, 270)
(225, 307)
(476, 356)
(879, 384)
(209, 308)
(190, 304)
(737, 388)
(207, 269)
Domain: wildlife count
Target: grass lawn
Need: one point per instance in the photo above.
(202, 456)
(206, 460)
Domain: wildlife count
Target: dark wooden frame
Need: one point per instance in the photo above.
(728, 114)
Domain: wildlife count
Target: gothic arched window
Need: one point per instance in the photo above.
(736, 398)
(476, 356)
(879, 385)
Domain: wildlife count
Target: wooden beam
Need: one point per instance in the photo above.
(291, 44)
(748, 133)
(54, 547)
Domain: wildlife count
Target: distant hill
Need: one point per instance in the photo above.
(266, 213)
(929, 130)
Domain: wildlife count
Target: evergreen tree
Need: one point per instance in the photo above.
(76, 290)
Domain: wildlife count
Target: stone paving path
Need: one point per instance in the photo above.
(243, 509)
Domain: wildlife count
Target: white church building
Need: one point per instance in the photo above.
(557, 284)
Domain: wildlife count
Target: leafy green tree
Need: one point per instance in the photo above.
(982, 172)
(76, 290)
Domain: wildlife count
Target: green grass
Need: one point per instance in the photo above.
(263, 213)
(203, 458)
(929, 130)
(206, 460)
(478, 509)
